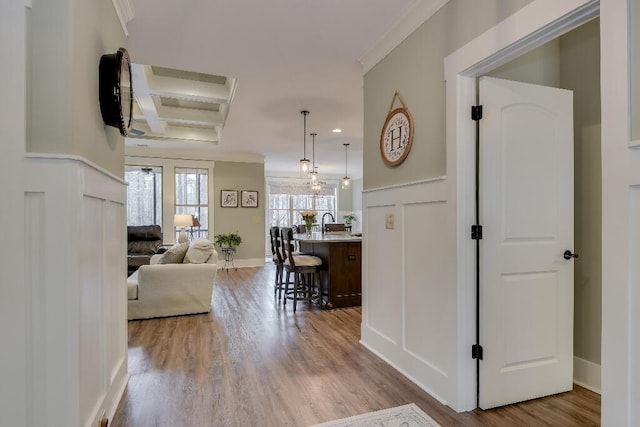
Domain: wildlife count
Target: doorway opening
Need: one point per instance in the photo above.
(572, 61)
(482, 56)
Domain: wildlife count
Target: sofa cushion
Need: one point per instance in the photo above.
(143, 247)
(199, 252)
(144, 232)
(134, 261)
(132, 286)
(175, 254)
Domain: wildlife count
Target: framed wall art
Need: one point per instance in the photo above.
(249, 199)
(229, 198)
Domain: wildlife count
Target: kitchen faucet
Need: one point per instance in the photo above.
(332, 219)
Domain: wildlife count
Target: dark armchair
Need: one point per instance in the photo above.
(143, 241)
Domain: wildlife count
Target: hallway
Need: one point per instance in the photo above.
(251, 362)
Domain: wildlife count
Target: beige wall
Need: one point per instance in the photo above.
(541, 66)
(415, 70)
(249, 222)
(580, 72)
(345, 199)
(67, 38)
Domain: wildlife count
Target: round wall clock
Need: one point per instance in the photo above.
(396, 137)
(116, 90)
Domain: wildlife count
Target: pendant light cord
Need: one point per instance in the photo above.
(313, 150)
(304, 134)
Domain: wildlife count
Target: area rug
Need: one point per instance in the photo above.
(400, 416)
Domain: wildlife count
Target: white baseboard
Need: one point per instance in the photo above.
(405, 373)
(241, 263)
(587, 374)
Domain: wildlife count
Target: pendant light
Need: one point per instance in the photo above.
(314, 171)
(304, 162)
(346, 181)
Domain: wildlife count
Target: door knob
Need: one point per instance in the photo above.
(568, 254)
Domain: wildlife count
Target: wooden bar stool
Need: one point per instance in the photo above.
(278, 260)
(305, 269)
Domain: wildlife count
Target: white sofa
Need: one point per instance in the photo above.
(160, 290)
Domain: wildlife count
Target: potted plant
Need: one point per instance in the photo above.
(228, 240)
(349, 218)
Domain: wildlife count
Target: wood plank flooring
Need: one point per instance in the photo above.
(252, 362)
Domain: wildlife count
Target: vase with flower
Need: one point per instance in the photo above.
(309, 218)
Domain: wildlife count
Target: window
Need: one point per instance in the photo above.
(287, 199)
(144, 195)
(192, 197)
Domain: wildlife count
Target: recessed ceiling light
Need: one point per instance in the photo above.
(337, 130)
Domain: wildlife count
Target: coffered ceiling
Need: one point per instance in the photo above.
(227, 79)
(181, 106)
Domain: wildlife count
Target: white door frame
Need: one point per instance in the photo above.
(530, 27)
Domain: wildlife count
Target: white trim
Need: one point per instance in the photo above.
(75, 158)
(404, 373)
(530, 27)
(411, 18)
(405, 184)
(133, 149)
(124, 10)
(241, 263)
(587, 374)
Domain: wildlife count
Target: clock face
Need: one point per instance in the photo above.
(126, 94)
(396, 137)
(116, 91)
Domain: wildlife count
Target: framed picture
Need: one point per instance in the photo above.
(249, 199)
(229, 198)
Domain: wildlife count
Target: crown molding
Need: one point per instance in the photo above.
(186, 153)
(125, 12)
(411, 18)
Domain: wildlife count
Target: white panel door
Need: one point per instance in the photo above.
(526, 208)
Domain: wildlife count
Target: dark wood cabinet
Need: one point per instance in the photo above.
(341, 273)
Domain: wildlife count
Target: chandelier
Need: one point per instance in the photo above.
(304, 162)
(317, 187)
(346, 181)
(313, 173)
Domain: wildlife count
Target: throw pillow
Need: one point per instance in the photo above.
(175, 254)
(199, 252)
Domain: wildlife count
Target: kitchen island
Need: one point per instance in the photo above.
(341, 270)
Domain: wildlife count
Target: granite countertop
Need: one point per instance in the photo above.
(317, 237)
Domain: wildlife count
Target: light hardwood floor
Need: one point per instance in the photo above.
(252, 362)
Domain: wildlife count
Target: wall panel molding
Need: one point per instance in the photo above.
(76, 297)
(35, 308)
(407, 274)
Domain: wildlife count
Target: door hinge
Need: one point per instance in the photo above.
(476, 351)
(476, 112)
(476, 232)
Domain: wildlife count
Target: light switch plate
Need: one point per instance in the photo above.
(389, 221)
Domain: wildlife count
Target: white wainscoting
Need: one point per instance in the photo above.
(633, 224)
(409, 300)
(75, 252)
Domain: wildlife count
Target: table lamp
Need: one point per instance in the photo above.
(196, 223)
(182, 220)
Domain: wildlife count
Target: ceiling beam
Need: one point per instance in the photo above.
(140, 76)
